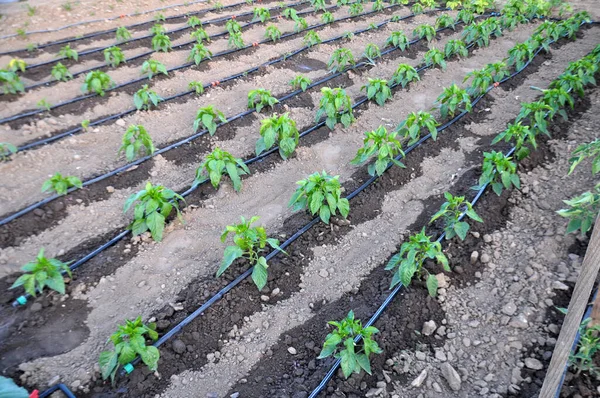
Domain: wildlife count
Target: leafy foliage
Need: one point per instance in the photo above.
(425, 31)
(451, 211)
(44, 104)
(445, 21)
(356, 9)
(144, 98)
(69, 53)
(198, 87)
(520, 54)
(59, 184)
(6, 149)
(157, 29)
(378, 89)
(129, 341)
(383, 144)
(378, 5)
(199, 53)
(372, 52)
(340, 344)
(61, 73)
(161, 42)
(321, 194)
(587, 350)
(408, 262)
(484, 78)
(281, 130)
(311, 39)
(153, 205)
(582, 211)
(194, 21)
(499, 171)
(122, 34)
(341, 58)
(327, 17)
(300, 24)
(260, 98)
(521, 135)
(337, 106)
(152, 67)
(261, 14)
(216, 164)
(465, 16)
(290, 13)
(207, 117)
(583, 151)
(200, 35)
(97, 82)
(236, 40)
(41, 273)
(249, 242)
(318, 5)
(17, 64)
(452, 100)
(399, 40)
(114, 56)
(134, 140)
(410, 128)
(405, 74)
(417, 8)
(435, 57)
(300, 82)
(272, 32)
(455, 47)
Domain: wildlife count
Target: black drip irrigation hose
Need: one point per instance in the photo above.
(22, 300)
(184, 66)
(95, 34)
(587, 314)
(180, 29)
(192, 137)
(128, 368)
(63, 388)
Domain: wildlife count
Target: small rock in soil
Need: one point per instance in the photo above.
(474, 257)
(451, 376)
(428, 328)
(558, 285)
(534, 364)
(420, 379)
(179, 346)
(35, 307)
(292, 350)
(509, 309)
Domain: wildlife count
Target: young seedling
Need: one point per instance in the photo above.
(199, 53)
(157, 29)
(445, 21)
(327, 17)
(318, 5)
(69, 53)
(200, 35)
(97, 82)
(217, 163)
(194, 21)
(207, 117)
(520, 54)
(378, 89)
(435, 57)
(476, 33)
(340, 3)
(233, 26)
(582, 211)
(290, 13)
(455, 47)
(85, 124)
(236, 40)
(349, 36)
(145, 98)
(61, 73)
(537, 112)
(198, 87)
(272, 32)
(399, 40)
(153, 205)
(161, 42)
(152, 67)
(341, 59)
(383, 144)
(300, 24)
(136, 141)
(281, 130)
(510, 21)
(454, 99)
(425, 31)
(465, 16)
(17, 64)
(451, 211)
(130, 341)
(337, 106)
(160, 18)
(340, 344)
(482, 80)
(417, 9)
(356, 9)
(371, 53)
(60, 185)
(588, 347)
(260, 98)
(404, 75)
(378, 5)
(408, 262)
(6, 149)
(521, 135)
(584, 69)
(311, 39)
(583, 151)
(300, 82)
(499, 171)
(114, 56)
(411, 127)
(261, 14)
(44, 104)
(321, 194)
(42, 273)
(122, 34)
(249, 243)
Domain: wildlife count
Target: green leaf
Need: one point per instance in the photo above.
(229, 256)
(325, 214)
(232, 171)
(56, 283)
(156, 223)
(108, 363)
(127, 355)
(363, 362)
(344, 207)
(259, 273)
(150, 357)
(432, 285)
(330, 345)
(461, 229)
